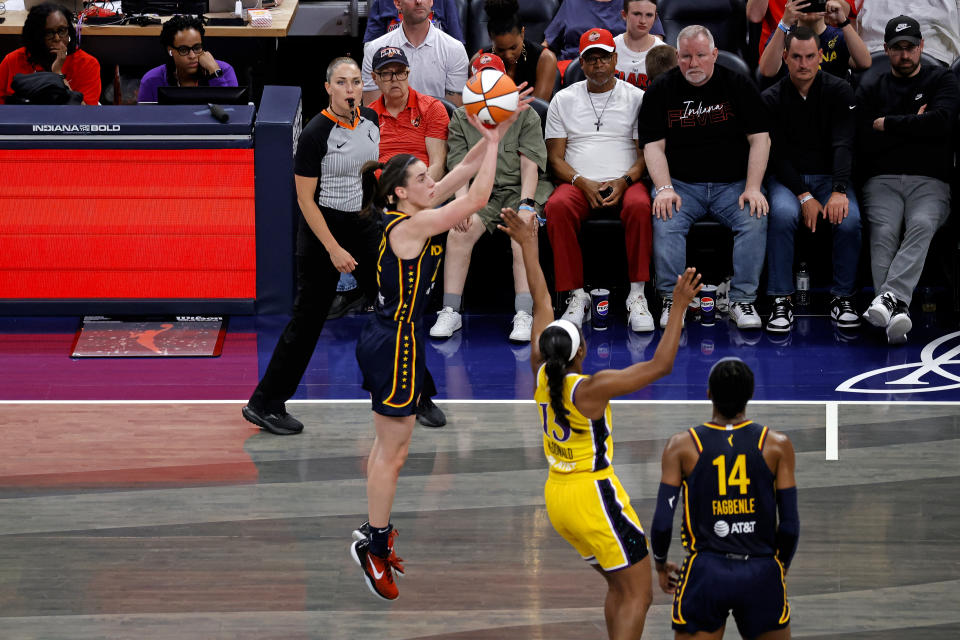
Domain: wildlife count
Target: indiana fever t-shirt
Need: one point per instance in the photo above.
(705, 127)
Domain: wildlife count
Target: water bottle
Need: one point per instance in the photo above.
(803, 286)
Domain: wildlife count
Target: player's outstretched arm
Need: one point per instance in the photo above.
(594, 393)
(460, 175)
(524, 233)
(432, 222)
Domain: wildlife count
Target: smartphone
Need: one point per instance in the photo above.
(606, 191)
(815, 6)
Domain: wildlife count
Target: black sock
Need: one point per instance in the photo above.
(379, 539)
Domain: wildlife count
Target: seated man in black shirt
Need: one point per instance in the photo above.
(812, 126)
(905, 123)
(705, 139)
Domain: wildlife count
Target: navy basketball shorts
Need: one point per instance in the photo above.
(712, 585)
(391, 358)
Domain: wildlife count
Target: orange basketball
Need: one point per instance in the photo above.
(491, 96)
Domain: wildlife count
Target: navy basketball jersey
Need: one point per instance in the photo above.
(730, 503)
(405, 285)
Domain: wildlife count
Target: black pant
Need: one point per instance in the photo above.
(316, 288)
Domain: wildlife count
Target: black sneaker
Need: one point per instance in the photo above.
(844, 313)
(899, 325)
(281, 424)
(345, 302)
(781, 317)
(430, 414)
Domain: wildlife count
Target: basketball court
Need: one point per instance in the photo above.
(136, 502)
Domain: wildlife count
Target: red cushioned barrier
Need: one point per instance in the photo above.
(142, 224)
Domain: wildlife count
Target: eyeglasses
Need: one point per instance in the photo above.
(393, 75)
(594, 59)
(185, 51)
(54, 34)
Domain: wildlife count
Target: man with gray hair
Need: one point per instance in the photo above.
(905, 121)
(706, 142)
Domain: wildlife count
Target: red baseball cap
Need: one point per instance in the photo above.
(597, 39)
(487, 61)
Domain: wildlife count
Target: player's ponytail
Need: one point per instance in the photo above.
(378, 194)
(555, 346)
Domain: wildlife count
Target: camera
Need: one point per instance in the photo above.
(815, 6)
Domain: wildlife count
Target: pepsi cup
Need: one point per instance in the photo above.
(600, 311)
(708, 305)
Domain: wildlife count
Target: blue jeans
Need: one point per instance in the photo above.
(781, 238)
(719, 201)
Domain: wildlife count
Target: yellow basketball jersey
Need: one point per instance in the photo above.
(587, 446)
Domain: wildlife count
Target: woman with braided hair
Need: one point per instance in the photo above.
(524, 60)
(586, 503)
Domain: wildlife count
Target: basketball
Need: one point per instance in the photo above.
(491, 96)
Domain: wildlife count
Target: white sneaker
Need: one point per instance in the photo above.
(745, 315)
(522, 326)
(879, 312)
(640, 319)
(578, 308)
(448, 321)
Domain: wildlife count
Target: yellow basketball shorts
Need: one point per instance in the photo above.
(593, 514)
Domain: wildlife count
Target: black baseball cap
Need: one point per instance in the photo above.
(389, 55)
(902, 28)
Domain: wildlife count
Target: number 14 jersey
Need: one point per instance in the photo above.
(730, 503)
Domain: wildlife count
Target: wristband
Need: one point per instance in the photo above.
(657, 190)
(626, 178)
(805, 199)
(574, 178)
(783, 27)
(843, 24)
(526, 207)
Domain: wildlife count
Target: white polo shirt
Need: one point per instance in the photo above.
(437, 67)
(603, 154)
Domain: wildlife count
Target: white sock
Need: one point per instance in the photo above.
(636, 288)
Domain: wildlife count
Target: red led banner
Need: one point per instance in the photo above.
(119, 223)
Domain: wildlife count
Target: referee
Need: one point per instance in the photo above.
(332, 238)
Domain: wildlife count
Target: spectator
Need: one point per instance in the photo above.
(940, 21)
(523, 59)
(591, 142)
(770, 13)
(705, 138)
(386, 15)
(577, 16)
(636, 42)
(659, 61)
(189, 64)
(518, 184)
(812, 127)
(410, 122)
(440, 60)
(50, 44)
(840, 45)
(906, 118)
